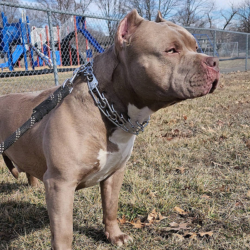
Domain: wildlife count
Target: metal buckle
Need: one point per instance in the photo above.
(92, 84)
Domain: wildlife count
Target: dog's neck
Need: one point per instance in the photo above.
(113, 82)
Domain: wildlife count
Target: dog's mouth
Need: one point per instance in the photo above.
(214, 85)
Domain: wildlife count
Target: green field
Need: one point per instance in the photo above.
(191, 165)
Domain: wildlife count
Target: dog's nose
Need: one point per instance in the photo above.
(212, 62)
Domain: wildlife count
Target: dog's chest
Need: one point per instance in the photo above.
(109, 162)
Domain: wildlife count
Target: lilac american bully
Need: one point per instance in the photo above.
(152, 65)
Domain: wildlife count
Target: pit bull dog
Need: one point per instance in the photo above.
(152, 65)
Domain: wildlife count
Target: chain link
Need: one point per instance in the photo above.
(102, 102)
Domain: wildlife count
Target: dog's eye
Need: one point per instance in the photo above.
(171, 51)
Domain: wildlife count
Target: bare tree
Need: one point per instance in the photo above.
(194, 12)
(244, 16)
(167, 7)
(12, 13)
(69, 5)
(111, 8)
(210, 15)
(229, 15)
(148, 8)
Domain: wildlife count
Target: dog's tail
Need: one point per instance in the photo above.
(10, 166)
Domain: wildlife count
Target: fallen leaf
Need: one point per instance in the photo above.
(152, 194)
(180, 170)
(185, 117)
(248, 193)
(122, 220)
(190, 235)
(206, 234)
(161, 217)
(182, 226)
(137, 224)
(152, 216)
(173, 224)
(239, 204)
(178, 236)
(170, 138)
(224, 188)
(237, 167)
(180, 211)
(204, 196)
(220, 123)
(248, 144)
(176, 131)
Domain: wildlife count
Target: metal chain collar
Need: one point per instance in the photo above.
(102, 103)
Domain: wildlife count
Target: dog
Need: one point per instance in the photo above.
(152, 65)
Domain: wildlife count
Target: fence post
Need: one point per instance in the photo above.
(214, 44)
(53, 48)
(246, 52)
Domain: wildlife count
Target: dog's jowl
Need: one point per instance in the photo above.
(152, 65)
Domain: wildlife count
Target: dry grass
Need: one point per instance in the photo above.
(194, 155)
(233, 65)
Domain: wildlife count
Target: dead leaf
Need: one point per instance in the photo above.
(210, 233)
(152, 216)
(176, 131)
(185, 117)
(179, 236)
(182, 226)
(224, 188)
(152, 194)
(220, 123)
(204, 196)
(180, 170)
(237, 168)
(137, 224)
(122, 220)
(161, 217)
(248, 193)
(248, 144)
(170, 138)
(180, 211)
(173, 224)
(190, 235)
(239, 204)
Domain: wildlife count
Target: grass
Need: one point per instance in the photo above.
(193, 155)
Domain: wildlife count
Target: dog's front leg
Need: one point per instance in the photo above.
(110, 189)
(59, 199)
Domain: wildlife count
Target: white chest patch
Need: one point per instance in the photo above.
(112, 161)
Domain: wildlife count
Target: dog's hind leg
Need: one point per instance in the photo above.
(10, 166)
(33, 181)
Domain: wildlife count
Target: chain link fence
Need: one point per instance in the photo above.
(70, 39)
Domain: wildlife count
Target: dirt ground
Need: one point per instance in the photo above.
(187, 184)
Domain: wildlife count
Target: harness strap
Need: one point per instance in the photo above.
(38, 113)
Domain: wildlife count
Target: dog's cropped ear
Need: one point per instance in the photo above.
(159, 17)
(127, 27)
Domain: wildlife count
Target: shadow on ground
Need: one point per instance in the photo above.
(8, 188)
(19, 218)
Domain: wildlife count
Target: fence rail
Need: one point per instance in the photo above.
(69, 39)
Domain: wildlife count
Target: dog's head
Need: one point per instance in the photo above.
(162, 57)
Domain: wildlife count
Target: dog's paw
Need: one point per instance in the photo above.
(119, 239)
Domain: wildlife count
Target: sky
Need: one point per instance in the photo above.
(227, 3)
